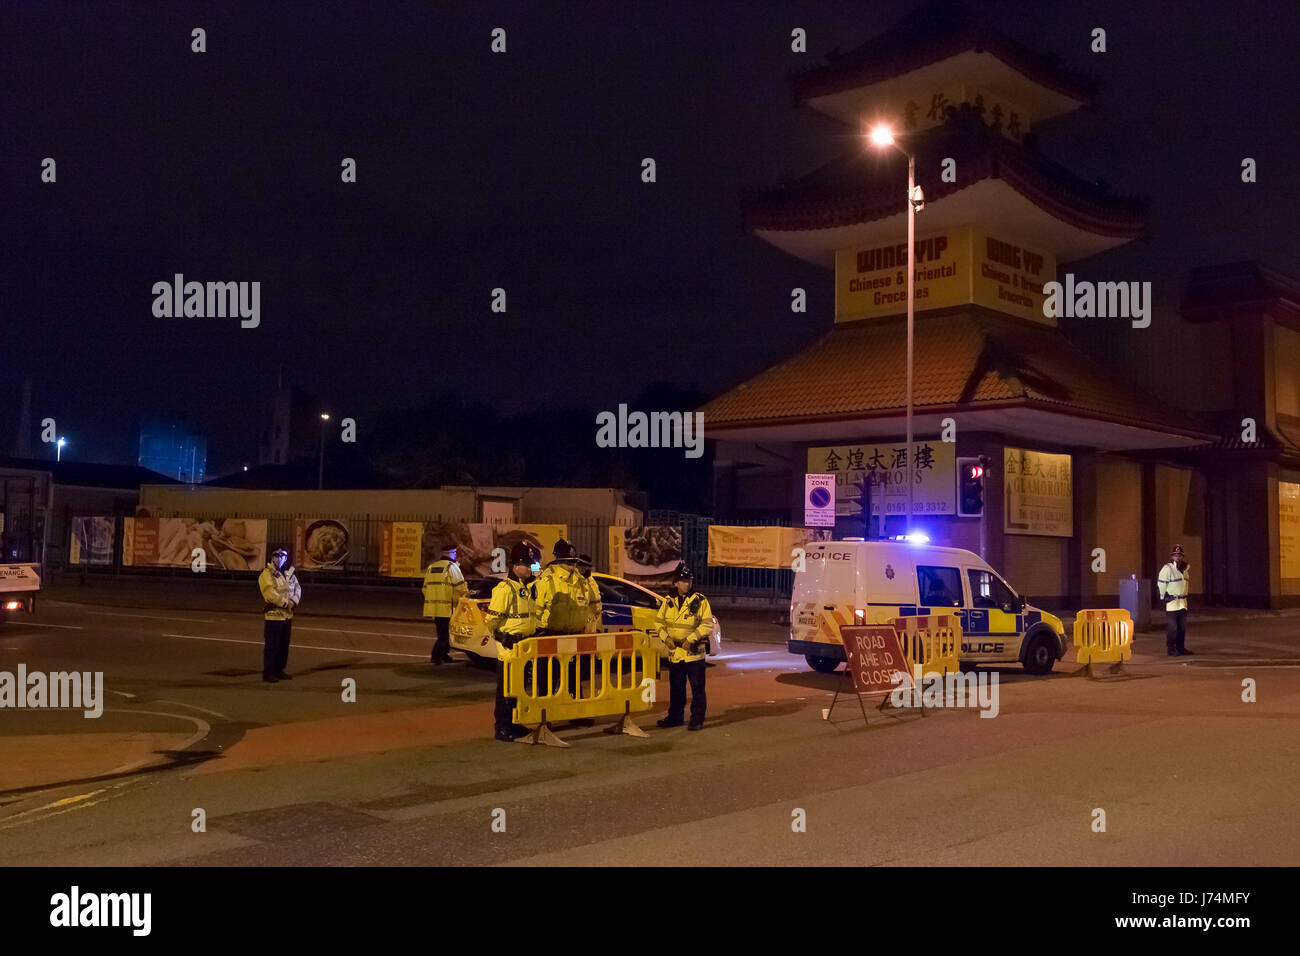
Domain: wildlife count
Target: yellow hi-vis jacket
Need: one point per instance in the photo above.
(1173, 587)
(444, 586)
(684, 625)
(594, 606)
(511, 614)
(280, 591)
(563, 600)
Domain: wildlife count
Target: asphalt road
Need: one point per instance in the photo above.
(1185, 771)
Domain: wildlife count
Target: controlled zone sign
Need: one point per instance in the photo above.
(819, 501)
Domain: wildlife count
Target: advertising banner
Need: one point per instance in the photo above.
(320, 544)
(476, 543)
(400, 549)
(934, 474)
(762, 547)
(1039, 490)
(91, 540)
(1288, 527)
(647, 554)
(232, 544)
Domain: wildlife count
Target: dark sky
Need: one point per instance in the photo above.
(520, 171)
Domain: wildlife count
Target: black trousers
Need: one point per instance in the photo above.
(275, 647)
(1175, 630)
(504, 709)
(442, 644)
(678, 675)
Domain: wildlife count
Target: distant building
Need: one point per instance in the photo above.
(169, 446)
(292, 429)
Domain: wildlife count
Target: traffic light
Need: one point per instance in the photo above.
(970, 487)
(864, 505)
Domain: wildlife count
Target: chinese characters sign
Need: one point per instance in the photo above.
(955, 267)
(1039, 491)
(930, 109)
(884, 467)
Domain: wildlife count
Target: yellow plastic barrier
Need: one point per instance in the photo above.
(932, 641)
(539, 673)
(1103, 636)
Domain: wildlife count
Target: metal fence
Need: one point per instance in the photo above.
(588, 535)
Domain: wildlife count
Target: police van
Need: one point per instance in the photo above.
(843, 579)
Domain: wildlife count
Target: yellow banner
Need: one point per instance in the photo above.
(934, 475)
(399, 549)
(955, 267)
(1039, 490)
(1288, 527)
(871, 282)
(768, 547)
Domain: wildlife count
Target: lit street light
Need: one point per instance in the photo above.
(320, 475)
(58, 449)
(884, 136)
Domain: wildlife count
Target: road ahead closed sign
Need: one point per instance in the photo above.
(819, 501)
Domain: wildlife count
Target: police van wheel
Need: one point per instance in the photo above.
(1040, 655)
(822, 665)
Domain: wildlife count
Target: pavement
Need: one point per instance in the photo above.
(407, 774)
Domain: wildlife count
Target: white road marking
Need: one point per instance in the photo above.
(344, 630)
(64, 627)
(156, 617)
(122, 693)
(203, 710)
(299, 647)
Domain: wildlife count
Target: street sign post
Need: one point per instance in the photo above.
(819, 501)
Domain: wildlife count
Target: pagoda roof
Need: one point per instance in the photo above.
(967, 361)
(864, 185)
(937, 31)
(1215, 292)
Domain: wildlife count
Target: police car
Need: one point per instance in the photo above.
(623, 604)
(843, 579)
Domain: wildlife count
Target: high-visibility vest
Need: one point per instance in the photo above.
(280, 592)
(685, 624)
(511, 612)
(562, 599)
(1173, 587)
(444, 585)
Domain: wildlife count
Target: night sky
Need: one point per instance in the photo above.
(522, 171)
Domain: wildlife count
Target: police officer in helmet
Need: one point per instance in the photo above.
(685, 622)
(511, 617)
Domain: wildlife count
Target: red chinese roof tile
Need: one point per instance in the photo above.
(862, 184)
(966, 359)
(931, 33)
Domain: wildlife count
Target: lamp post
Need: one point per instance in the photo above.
(58, 449)
(320, 475)
(884, 136)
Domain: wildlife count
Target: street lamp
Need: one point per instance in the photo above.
(58, 449)
(320, 475)
(884, 136)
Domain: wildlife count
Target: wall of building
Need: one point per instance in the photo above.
(1180, 518)
(1116, 506)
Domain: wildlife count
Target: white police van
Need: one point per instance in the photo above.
(843, 579)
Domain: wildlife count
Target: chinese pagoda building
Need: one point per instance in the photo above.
(1079, 458)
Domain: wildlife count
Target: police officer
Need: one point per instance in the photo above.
(595, 609)
(280, 595)
(562, 594)
(511, 617)
(1173, 583)
(444, 586)
(685, 621)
